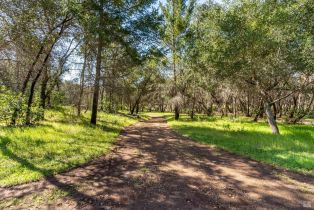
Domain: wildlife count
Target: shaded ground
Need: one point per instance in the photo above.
(152, 167)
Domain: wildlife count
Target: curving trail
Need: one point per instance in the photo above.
(152, 167)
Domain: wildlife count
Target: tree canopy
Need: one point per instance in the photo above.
(241, 57)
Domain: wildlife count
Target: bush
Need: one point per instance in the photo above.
(11, 102)
(7, 103)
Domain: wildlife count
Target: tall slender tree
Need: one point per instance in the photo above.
(177, 19)
(126, 23)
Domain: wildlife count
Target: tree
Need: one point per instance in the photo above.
(249, 45)
(121, 22)
(34, 38)
(177, 16)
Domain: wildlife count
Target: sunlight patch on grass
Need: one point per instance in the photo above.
(156, 114)
(59, 143)
(293, 149)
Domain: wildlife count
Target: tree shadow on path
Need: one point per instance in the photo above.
(152, 167)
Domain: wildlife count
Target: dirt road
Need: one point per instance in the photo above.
(152, 167)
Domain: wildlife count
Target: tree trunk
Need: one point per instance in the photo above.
(259, 112)
(98, 69)
(24, 86)
(176, 112)
(49, 101)
(30, 99)
(192, 114)
(135, 105)
(29, 104)
(132, 109)
(294, 107)
(280, 109)
(193, 107)
(174, 54)
(97, 81)
(301, 114)
(82, 81)
(234, 107)
(44, 84)
(32, 89)
(137, 108)
(271, 119)
(29, 73)
(32, 68)
(248, 106)
(209, 110)
(102, 94)
(275, 111)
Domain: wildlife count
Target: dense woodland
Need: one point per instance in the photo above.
(249, 58)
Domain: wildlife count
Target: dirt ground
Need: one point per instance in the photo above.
(152, 167)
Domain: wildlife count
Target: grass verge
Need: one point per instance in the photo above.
(293, 149)
(61, 142)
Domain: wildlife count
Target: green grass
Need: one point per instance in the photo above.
(156, 114)
(293, 149)
(61, 142)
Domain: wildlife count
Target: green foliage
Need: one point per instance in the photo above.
(9, 101)
(58, 98)
(6, 103)
(57, 144)
(177, 15)
(263, 46)
(252, 41)
(127, 23)
(293, 149)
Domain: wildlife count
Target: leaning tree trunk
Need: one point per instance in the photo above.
(137, 108)
(40, 70)
(30, 99)
(135, 105)
(24, 86)
(43, 95)
(275, 111)
(132, 108)
(271, 119)
(29, 104)
(32, 89)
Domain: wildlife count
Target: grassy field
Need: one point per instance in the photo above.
(293, 149)
(56, 144)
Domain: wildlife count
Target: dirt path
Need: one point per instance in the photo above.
(152, 167)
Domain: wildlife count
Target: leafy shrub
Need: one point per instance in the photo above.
(11, 102)
(7, 103)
